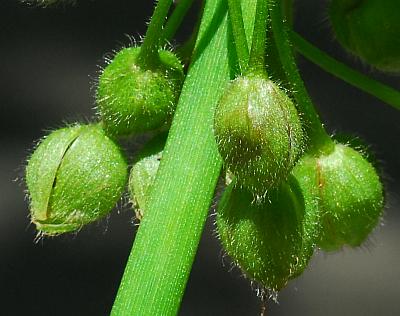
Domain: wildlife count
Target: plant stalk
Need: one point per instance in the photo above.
(149, 50)
(176, 19)
(166, 242)
(259, 42)
(318, 139)
(347, 74)
(239, 34)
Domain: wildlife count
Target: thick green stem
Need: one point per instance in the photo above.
(149, 49)
(257, 54)
(239, 33)
(347, 74)
(166, 242)
(318, 137)
(176, 19)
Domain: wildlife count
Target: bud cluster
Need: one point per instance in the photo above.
(280, 204)
(77, 174)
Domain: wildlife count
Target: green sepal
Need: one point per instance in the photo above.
(43, 166)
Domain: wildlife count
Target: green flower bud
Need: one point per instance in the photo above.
(264, 237)
(75, 176)
(350, 197)
(369, 30)
(258, 132)
(132, 98)
(143, 173)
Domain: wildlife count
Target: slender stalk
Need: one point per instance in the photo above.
(257, 54)
(239, 33)
(149, 49)
(185, 51)
(166, 242)
(347, 74)
(318, 137)
(176, 19)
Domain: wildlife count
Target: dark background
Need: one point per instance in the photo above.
(49, 62)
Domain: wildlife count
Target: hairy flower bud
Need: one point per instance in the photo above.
(351, 198)
(258, 132)
(266, 237)
(144, 171)
(75, 176)
(369, 29)
(349, 193)
(132, 98)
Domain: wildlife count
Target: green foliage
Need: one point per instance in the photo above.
(133, 98)
(75, 176)
(370, 30)
(258, 132)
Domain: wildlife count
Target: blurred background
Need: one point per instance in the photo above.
(49, 63)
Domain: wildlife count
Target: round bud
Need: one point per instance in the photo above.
(350, 198)
(369, 30)
(143, 173)
(75, 176)
(132, 98)
(258, 132)
(264, 238)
